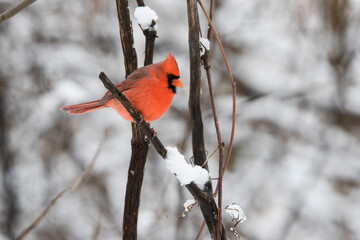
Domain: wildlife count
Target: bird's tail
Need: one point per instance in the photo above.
(83, 107)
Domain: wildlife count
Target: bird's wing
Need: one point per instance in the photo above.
(131, 82)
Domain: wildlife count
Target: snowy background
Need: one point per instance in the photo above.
(295, 167)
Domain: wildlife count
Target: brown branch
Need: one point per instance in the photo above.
(217, 231)
(206, 200)
(140, 3)
(139, 147)
(97, 228)
(150, 35)
(233, 85)
(206, 64)
(221, 144)
(126, 36)
(71, 188)
(198, 142)
(16, 9)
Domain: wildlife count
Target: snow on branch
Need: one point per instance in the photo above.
(145, 17)
(185, 172)
(205, 45)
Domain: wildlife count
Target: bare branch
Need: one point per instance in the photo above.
(221, 144)
(206, 64)
(198, 142)
(17, 8)
(71, 188)
(150, 35)
(97, 227)
(139, 147)
(233, 85)
(127, 40)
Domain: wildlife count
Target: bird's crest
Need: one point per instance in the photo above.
(171, 66)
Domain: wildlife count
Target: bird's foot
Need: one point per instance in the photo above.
(154, 133)
(146, 139)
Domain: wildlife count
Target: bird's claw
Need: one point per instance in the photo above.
(154, 133)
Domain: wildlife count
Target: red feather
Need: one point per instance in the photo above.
(150, 89)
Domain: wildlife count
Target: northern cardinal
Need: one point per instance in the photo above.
(150, 89)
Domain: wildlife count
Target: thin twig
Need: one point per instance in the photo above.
(233, 85)
(71, 188)
(150, 35)
(206, 64)
(216, 119)
(201, 230)
(12, 11)
(216, 149)
(97, 229)
(222, 167)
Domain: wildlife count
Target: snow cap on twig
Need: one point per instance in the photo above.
(189, 204)
(145, 17)
(205, 45)
(185, 172)
(236, 212)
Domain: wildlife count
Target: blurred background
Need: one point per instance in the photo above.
(295, 167)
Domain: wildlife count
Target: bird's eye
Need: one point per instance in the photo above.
(172, 77)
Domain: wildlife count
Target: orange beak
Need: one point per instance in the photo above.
(177, 83)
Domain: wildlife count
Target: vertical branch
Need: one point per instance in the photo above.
(222, 167)
(138, 144)
(195, 85)
(207, 205)
(150, 35)
(139, 150)
(206, 64)
(126, 36)
(233, 85)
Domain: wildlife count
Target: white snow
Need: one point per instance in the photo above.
(185, 172)
(236, 212)
(188, 205)
(205, 43)
(145, 16)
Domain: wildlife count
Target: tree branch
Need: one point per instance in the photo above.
(139, 147)
(206, 65)
(195, 85)
(150, 35)
(126, 36)
(16, 9)
(195, 110)
(233, 85)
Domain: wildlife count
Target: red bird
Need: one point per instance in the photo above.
(150, 89)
